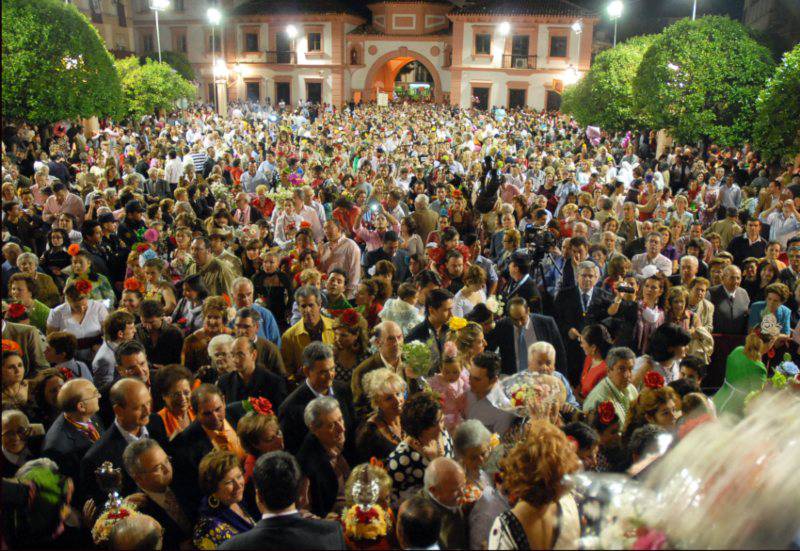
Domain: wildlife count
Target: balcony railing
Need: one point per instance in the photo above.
(281, 57)
(519, 61)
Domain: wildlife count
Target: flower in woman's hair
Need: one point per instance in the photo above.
(653, 379)
(375, 462)
(73, 249)
(350, 317)
(606, 412)
(260, 405)
(66, 373)
(83, 286)
(151, 235)
(142, 247)
(11, 346)
(226, 298)
(132, 284)
(305, 224)
(17, 311)
(456, 323)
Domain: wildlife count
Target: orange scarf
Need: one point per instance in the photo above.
(226, 439)
(171, 422)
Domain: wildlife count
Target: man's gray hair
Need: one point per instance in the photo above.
(588, 265)
(690, 259)
(217, 341)
(318, 407)
(470, 434)
(132, 453)
(28, 256)
(316, 352)
(241, 281)
(11, 414)
(307, 291)
(136, 532)
(421, 200)
(619, 353)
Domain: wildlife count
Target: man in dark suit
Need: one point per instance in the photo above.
(194, 442)
(389, 340)
(320, 456)
(418, 523)
(438, 311)
(148, 465)
(514, 334)
(74, 431)
(248, 324)
(131, 403)
(249, 380)
(162, 341)
(319, 369)
(132, 362)
(520, 283)
(277, 479)
(731, 303)
(577, 307)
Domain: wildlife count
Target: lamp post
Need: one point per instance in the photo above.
(157, 6)
(214, 17)
(615, 12)
(694, 9)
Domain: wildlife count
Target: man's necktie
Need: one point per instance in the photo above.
(522, 351)
(585, 302)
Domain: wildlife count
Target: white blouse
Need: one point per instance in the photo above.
(92, 325)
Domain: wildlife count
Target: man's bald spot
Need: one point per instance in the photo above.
(72, 392)
(439, 469)
(124, 388)
(138, 531)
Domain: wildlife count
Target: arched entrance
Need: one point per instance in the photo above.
(385, 72)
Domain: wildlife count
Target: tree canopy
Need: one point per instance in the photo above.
(176, 60)
(55, 65)
(151, 86)
(604, 97)
(777, 128)
(700, 80)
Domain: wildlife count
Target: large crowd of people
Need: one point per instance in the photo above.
(209, 322)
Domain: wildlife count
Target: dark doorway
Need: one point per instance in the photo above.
(253, 91)
(283, 92)
(284, 47)
(516, 98)
(553, 102)
(314, 92)
(480, 98)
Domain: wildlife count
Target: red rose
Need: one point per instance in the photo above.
(349, 317)
(73, 249)
(305, 224)
(365, 517)
(142, 247)
(83, 286)
(17, 310)
(653, 380)
(226, 298)
(262, 406)
(606, 412)
(11, 346)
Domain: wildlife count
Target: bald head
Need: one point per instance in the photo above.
(75, 394)
(390, 339)
(444, 481)
(132, 404)
(137, 531)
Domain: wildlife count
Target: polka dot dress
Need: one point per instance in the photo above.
(407, 466)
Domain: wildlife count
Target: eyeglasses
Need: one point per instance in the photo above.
(22, 433)
(94, 395)
(180, 394)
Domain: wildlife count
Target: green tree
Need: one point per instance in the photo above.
(55, 65)
(604, 97)
(700, 80)
(177, 60)
(151, 86)
(777, 127)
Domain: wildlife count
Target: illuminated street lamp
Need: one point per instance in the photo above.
(571, 75)
(577, 27)
(615, 12)
(505, 28)
(157, 6)
(291, 31)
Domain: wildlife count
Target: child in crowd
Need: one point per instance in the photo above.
(452, 383)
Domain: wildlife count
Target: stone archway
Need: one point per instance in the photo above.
(407, 55)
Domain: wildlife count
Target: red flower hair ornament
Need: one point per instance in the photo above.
(132, 284)
(606, 412)
(11, 346)
(654, 380)
(305, 224)
(83, 286)
(67, 373)
(349, 317)
(73, 249)
(261, 406)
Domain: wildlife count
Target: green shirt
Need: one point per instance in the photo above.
(38, 315)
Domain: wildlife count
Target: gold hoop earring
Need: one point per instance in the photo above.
(213, 501)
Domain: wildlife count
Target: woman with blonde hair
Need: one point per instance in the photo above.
(472, 293)
(469, 340)
(381, 433)
(543, 513)
(745, 372)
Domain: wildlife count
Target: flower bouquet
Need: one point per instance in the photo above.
(495, 305)
(101, 530)
(533, 394)
(417, 356)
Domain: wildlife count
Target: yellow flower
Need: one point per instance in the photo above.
(494, 441)
(457, 323)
